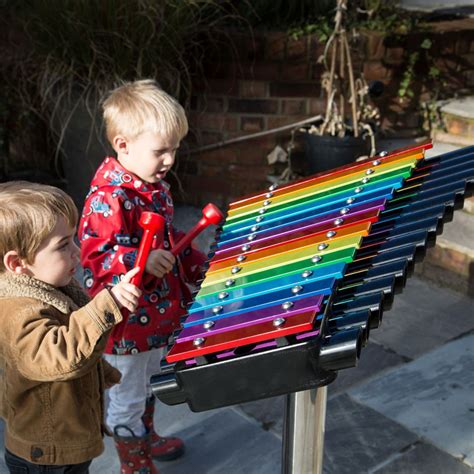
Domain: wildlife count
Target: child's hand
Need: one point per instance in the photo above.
(159, 262)
(125, 293)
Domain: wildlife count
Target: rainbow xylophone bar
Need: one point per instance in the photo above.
(300, 274)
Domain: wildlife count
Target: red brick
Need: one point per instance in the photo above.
(296, 89)
(375, 70)
(255, 151)
(317, 70)
(253, 106)
(252, 124)
(207, 138)
(394, 55)
(294, 107)
(216, 121)
(317, 106)
(218, 156)
(259, 71)
(297, 48)
(374, 45)
(211, 104)
(276, 45)
(282, 120)
(296, 71)
(223, 86)
(253, 88)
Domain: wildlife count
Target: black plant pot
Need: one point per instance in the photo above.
(327, 152)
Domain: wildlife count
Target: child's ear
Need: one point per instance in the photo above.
(13, 263)
(120, 144)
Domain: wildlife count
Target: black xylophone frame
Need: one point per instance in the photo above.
(406, 228)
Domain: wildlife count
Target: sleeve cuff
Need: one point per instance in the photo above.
(104, 311)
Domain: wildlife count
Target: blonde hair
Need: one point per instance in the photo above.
(28, 214)
(142, 106)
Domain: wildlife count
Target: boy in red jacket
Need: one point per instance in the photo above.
(144, 126)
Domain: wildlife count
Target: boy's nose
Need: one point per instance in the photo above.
(168, 159)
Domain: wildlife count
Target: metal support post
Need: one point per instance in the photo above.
(303, 432)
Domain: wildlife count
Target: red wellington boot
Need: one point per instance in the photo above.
(134, 452)
(162, 448)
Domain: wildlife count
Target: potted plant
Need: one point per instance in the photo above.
(347, 129)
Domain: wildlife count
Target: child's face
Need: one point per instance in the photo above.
(150, 156)
(58, 256)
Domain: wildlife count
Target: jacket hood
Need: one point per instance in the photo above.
(65, 299)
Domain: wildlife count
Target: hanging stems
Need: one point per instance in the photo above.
(353, 99)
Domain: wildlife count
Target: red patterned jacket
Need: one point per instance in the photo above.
(110, 235)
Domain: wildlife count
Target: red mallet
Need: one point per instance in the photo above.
(210, 215)
(152, 224)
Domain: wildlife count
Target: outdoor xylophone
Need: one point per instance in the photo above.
(301, 273)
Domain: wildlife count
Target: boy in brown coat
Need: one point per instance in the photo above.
(51, 335)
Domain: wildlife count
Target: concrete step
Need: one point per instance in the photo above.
(457, 126)
(451, 262)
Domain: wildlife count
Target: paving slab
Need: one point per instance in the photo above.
(359, 438)
(269, 413)
(422, 318)
(227, 442)
(373, 359)
(422, 457)
(432, 396)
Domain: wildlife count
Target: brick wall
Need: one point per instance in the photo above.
(274, 81)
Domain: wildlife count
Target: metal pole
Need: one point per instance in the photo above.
(303, 432)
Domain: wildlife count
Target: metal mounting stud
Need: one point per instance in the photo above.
(344, 210)
(316, 258)
(208, 324)
(254, 228)
(217, 309)
(229, 282)
(236, 269)
(383, 153)
(307, 273)
(279, 322)
(350, 200)
(198, 341)
(246, 247)
(358, 189)
(267, 202)
(287, 305)
(223, 295)
(331, 233)
(251, 237)
(297, 289)
(241, 258)
(338, 221)
(323, 246)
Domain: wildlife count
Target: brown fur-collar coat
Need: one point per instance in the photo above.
(52, 372)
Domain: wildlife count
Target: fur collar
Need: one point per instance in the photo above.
(65, 299)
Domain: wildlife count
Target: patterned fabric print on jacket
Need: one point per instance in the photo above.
(110, 236)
